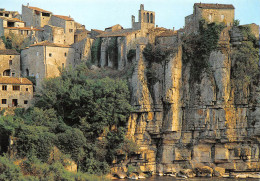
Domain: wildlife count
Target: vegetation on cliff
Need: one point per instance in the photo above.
(197, 48)
(245, 70)
(84, 118)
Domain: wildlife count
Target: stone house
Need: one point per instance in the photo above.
(10, 63)
(45, 60)
(6, 23)
(53, 34)
(221, 13)
(35, 17)
(15, 92)
(8, 14)
(67, 23)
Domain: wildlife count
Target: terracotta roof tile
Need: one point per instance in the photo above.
(15, 80)
(23, 28)
(9, 52)
(123, 32)
(167, 33)
(39, 9)
(67, 18)
(47, 43)
(99, 31)
(214, 6)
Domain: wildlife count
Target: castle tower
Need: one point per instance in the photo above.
(146, 19)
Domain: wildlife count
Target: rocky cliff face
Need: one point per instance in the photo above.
(179, 123)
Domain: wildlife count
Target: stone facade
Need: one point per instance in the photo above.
(35, 17)
(10, 63)
(221, 13)
(146, 19)
(67, 24)
(7, 23)
(45, 60)
(15, 92)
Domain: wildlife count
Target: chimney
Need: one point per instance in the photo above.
(27, 5)
(173, 28)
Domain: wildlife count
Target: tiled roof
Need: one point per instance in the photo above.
(123, 32)
(12, 19)
(9, 52)
(114, 26)
(23, 28)
(99, 31)
(39, 9)
(47, 43)
(14, 80)
(214, 6)
(167, 33)
(67, 18)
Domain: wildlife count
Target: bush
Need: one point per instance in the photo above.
(8, 170)
(197, 48)
(131, 54)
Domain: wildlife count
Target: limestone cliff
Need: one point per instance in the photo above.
(183, 124)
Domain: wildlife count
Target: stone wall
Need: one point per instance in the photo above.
(24, 94)
(14, 66)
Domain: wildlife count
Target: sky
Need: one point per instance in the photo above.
(100, 14)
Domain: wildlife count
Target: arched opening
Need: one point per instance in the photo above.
(27, 72)
(147, 17)
(7, 72)
(151, 18)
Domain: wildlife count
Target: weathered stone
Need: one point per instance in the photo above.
(218, 171)
(204, 171)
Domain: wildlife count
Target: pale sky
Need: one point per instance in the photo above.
(99, 14)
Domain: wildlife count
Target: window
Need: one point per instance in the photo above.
(26, 89)
(70, 30)
(4, 87)
(14, 102)
(16, 87)
(50, 55)
(210, 17)
(25, 102)
(65, 54)
(13, 74)
(7, 72)
(222, 17)
(10, 62)
(4, 101)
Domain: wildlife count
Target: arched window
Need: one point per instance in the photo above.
(151, 18)
(7, 72)
(147, 17)
(27, 72)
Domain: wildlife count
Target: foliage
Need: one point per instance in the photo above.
(96, 50)
(131, 54)
(9, 171)
(197, 48)
(245, 57)
(112, 51)
(17, 42)
(236, 22)
(156, 53)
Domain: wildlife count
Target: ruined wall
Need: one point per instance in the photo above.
(14, 65)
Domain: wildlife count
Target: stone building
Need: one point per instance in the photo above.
(10, 63)
(146, 19)
(6, 23)
(45, 60)
(53, 34)
(221, 13)
(8, 14)
(15, 92)
(67, 23)
(35, 17)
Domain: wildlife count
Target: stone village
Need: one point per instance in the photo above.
(56, 41)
